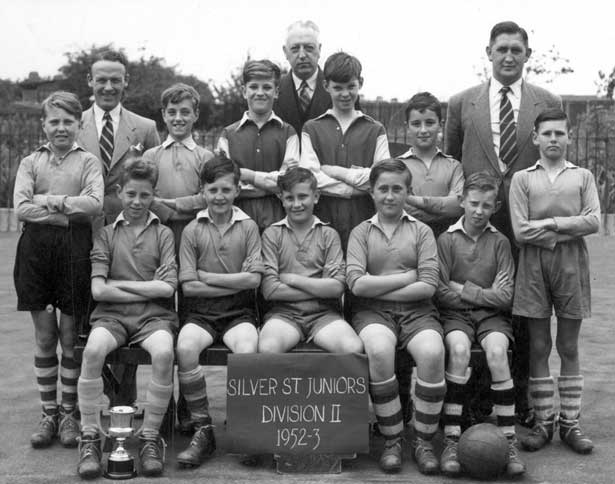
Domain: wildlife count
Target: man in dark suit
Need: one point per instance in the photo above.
(114, 135)
(109, 130)
(488, 128)
(302, 93)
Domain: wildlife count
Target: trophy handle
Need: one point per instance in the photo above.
(101, 408)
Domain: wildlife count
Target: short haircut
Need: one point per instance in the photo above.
(304, 24)
(551, 114)
(139, 169)
(342, 67)
(390, 165)
(217, 167)
(294, 176)
(260, 69)
(481, 181)
(111, 56)
(179, 92)
(507, 27)
(422, 102)
(67, 101)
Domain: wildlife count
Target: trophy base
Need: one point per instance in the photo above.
(118, 470)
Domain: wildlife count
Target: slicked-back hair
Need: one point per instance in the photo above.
(551, 114)
(294, 176)
(179, 92)
(111, 56)
(342, 67)
(67, 101)
(391, 165)
(138, 169)
(423, 101)
(261, 69)
(508, 27)
(481, 181)
(218, 166)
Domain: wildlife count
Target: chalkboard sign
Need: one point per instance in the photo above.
(298, 403)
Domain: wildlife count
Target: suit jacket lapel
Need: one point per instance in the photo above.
(527, 115)
(88, 136)
(482, 123)
(320, 98)
(124, 138)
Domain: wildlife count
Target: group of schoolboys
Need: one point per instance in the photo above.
(183, 205)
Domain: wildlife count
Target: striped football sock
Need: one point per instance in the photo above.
(570, 393)
(428, 398)
(69, 375)
(542, 396)
(385, 399)
(503, 396)
(46, 371)
(194, 388)
(454, 401)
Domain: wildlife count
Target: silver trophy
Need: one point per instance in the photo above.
(120, 464)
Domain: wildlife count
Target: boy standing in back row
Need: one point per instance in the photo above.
(554, 204)
(340, 147)
(261, 143)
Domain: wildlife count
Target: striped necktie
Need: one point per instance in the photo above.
(508, 129)
(304, 96)
(106, 141)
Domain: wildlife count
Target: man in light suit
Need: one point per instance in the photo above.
(489, 128)
(128, 135)
(302, 94)
(114, 134)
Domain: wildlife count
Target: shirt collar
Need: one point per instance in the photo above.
(237, 215)
(151, 218)
(359, 114)
(538, 164)
(459, 226)
(284, 222)
(495, 86)
(47, 147)
(187, 142)
(404, 216)
(246, 119)
(115, 114)
(410, 154)
(311, 81)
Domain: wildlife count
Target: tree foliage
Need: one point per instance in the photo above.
(605, 85)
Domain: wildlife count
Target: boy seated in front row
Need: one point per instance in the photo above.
(304, 275)
(220, 266)
(340, 146)
(474, 298)
(554, 204)
(134, 276)
(392, 271)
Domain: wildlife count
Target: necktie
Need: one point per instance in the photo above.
(106, 140)
(304, 96)
(508, 129)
